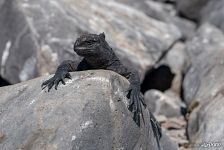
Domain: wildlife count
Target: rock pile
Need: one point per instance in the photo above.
(176, 45)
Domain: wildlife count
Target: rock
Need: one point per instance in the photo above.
(153, 9)
(2, 136)
(205, 52)
(168, 104)
(212, 13)
(168, 144)
(203, 11)
(89, 112)
(191, 8)
(159, 77)
(186, 27)
(166, 1)
(167, 13)
(203, 88)
(31, 38)
(174, 123)
(163, 12)
(167, 109)
(175, 128)
(38, 32)
(177, 60)
(204, 124)
(15, 35)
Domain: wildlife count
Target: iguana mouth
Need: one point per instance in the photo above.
(86, 46)
(83, 51)
(81, 48)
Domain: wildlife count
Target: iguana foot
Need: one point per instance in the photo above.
(56, 79)
(156, 128)
(135, 104)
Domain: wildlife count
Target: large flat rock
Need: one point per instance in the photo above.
(88, 113)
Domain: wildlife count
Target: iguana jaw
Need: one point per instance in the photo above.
(81, 48)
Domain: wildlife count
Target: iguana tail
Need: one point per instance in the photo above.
(156, 129)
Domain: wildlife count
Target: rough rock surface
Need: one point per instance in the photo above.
(177, 59)
(38, 32)
(205, 53)
(213, 13)
(167, 109)
(175, 128)
(205, 124)
(203, 11)
(187, 63)
(163, 12)
(191, 8)
(168, 104)
(167, 1)
(203, 88)
(89, 112)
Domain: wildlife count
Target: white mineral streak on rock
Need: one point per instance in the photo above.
(28, 69)
(32, 101)
(112, 106)
(69, 82)
(86, 124)
(5, 56)
(73, 137)
(100, 79)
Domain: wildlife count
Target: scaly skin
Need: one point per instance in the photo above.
(99, 55)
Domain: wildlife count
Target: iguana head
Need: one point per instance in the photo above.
(89, 44)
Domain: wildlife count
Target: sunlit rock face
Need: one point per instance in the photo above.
(37, 35)
(203, 86)
(89, 112)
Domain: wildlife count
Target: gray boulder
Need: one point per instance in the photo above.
(213, 13)
(203, 11)
(39, 32)
(167, 104)
(163, 12)
(166, 1)
(178, 61)
(205, 52)
(205, 124)
(88, 113)
(191, 8)
(203, 88)
(168, 13)
(176, 58)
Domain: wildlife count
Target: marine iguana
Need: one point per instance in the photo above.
(97, 54)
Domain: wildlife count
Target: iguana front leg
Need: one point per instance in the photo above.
(62, 72)
(135, 96)
(136, 99)
(134, 93)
